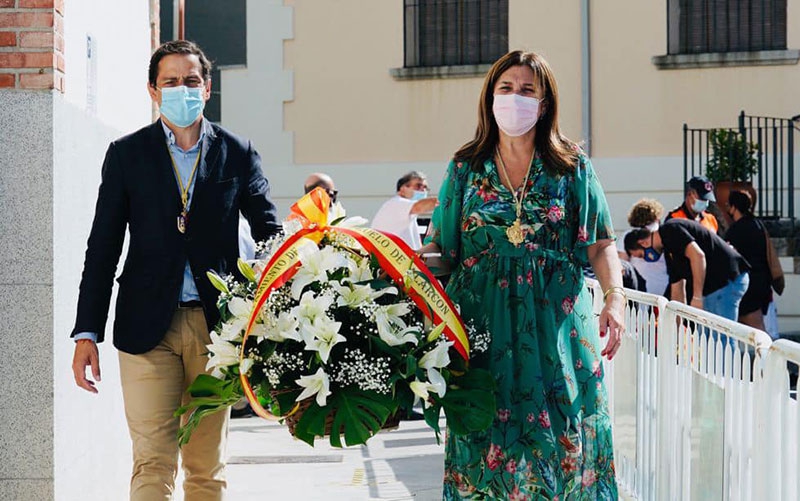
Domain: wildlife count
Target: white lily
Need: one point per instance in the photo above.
(336, 211)
(353, 222)
(258, 330)
(317, 384)
(287, 326)
(438, 384)
(245, 365)
(223, 353)
(437, 357)
(240, 307)
(352, 296)
(312, 306)
(232, 329)
(316, 265)
(390, 315)
(395, 336)
(361, 273)
(321, 336)
(421, 390)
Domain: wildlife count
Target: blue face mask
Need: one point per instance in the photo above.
(651, 255)
(419, 195)
(182, 105)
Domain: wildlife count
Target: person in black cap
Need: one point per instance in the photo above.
(699, 191)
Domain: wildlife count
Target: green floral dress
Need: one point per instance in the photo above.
(551, 437)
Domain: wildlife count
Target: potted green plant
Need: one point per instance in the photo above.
(731, 165)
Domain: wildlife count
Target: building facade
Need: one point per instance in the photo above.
(367, 90)
(364, 90)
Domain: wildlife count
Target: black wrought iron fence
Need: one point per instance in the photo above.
(761, 150)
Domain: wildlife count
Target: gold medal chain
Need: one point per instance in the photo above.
(184, 190)
(515, 233)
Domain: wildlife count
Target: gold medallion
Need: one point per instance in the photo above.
(184, 191)
(515, 233)
(182, 222)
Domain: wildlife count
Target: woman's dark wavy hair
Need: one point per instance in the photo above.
(559, 154)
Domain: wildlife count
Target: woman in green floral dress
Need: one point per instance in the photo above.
(521, 210)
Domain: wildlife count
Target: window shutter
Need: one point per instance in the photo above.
(729, 25)
(455, 32)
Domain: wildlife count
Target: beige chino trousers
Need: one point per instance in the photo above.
(153, 387)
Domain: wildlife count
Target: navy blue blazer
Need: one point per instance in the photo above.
(139, 192)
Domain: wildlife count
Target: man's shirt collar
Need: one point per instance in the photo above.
(204, 126)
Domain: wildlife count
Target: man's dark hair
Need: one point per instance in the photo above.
(408, 177)
(632, 239)
(178, 47)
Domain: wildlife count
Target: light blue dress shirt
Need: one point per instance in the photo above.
(184, 161)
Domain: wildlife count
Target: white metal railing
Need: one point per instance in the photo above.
(777, 458)
(712, 418)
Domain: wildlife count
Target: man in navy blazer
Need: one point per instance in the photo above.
(177, 186)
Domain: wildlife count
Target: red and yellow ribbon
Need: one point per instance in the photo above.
(394, 256)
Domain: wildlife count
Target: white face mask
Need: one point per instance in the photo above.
(515, 114)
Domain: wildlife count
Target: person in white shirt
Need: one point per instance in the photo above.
(645, 213)
(398, 215)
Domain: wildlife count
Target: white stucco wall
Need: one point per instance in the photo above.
(92, 458)
(90, 433)
(121, 32)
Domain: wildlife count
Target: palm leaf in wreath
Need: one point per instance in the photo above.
(469, 403)
(358, 415)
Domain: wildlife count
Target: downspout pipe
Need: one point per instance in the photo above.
(586, 78)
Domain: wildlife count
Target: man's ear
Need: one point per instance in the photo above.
(207, 92)
(153, 92)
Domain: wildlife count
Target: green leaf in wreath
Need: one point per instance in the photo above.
(469, 403)
(431, 414)
(209, 395)
(206, 385)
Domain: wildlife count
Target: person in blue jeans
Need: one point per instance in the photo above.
(718, 272)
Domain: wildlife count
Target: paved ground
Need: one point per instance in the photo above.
(265, 462)
(268, 463)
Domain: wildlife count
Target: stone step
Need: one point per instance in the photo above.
(790, 264)
(786, 246)
(788, 305)
(785, 235)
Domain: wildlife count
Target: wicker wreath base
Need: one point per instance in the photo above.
(392, 423)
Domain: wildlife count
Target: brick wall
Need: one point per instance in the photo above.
(32, 44)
